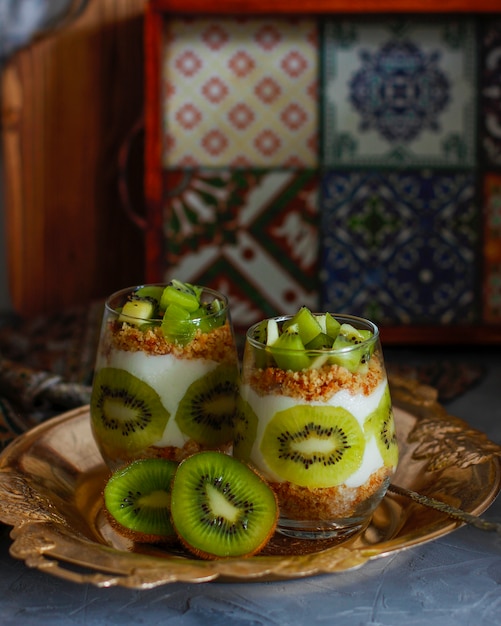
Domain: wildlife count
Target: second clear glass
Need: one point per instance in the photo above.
(164, 388)
(322, 433)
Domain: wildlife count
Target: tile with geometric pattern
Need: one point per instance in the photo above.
(490, 93)
(252, 234)
(399, 247)
(399, 92)
(240, 92)
(492, 248)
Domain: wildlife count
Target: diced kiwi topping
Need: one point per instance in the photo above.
(178, 308)
(309, 340)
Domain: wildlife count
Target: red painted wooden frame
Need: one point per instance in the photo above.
(158, 10)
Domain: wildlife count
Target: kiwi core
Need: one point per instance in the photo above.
(219, 505)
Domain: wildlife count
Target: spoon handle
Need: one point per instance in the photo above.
(451, 511)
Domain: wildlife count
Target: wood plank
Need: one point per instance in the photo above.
(68, 101)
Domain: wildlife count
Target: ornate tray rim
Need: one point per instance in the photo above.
(65, 544)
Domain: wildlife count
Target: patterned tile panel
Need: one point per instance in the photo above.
(492, 249)
(490, 94)
(400, 247)
(251, 234)
(399, 93)
(240, 92)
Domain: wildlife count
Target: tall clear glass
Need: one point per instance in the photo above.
(164, 387)
(318, 426)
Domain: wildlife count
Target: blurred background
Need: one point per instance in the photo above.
(350, 164)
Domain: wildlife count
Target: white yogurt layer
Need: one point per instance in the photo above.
(169, 376)
(359, 405)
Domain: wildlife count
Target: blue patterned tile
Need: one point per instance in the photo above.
(400, 247)
(490, 94)
(399, 93)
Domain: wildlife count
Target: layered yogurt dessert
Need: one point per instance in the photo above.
(315, 419)
(165, 379)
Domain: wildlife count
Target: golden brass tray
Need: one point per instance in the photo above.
(50, 492)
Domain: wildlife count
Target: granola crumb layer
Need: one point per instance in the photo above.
(329, 503)
(316, 384)
(217, 345)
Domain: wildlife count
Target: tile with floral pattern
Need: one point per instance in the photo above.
(400, 247)
(490, 94)
(399, 92)
(492, 248)
(240, 92)
(252, 234)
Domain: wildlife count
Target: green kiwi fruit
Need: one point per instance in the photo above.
(308, 326)
(322, 341)
(381, 424)
(180, 297)
(220, 507)
(289, 352)
(152, 292)
(126, 413)
(245, 430)
(313, 446)
(207, 409)
(137, 310)
(137, 500)
(176, 325)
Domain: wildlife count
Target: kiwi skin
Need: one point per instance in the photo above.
(120, 489)
(206, 547)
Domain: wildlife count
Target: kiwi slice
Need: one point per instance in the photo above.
(206, 410)
(381, 424)
(126, 413)
(313, 446)
(244, 431)
(220, 507)
(137, 500)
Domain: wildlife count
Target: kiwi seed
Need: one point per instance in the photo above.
(245, 429)
(313, 446)
(207, 409)
(137, 500)
(220, 507)
(381, 424)
(126, 413)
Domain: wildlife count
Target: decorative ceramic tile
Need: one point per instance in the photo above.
(399, 247)
(250, 234)
(240, 92)
(492, 249)
(490, 89)
(399, 93)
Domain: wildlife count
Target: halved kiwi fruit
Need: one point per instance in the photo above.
(313, 446)
(206, 411)
(381, 424)
(220, 507)
(244, 431)
(126, 413)
(137, 500)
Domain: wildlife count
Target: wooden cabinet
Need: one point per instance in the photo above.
(69, 100)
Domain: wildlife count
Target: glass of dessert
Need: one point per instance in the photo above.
(314, 418)
(166, 374)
